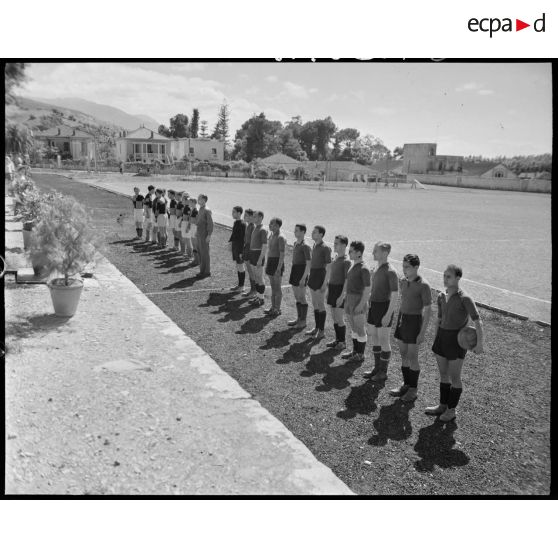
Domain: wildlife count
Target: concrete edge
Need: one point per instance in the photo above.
(481, 304)
(312, 476)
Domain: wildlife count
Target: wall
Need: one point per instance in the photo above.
(515, 184)
(202, 149)
(416, 156)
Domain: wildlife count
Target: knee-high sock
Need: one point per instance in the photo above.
(444, 392)
(413, 377)
(384, 360)
(342, 333)
(405, 372)
(303, 311)
(376, 350)
(454, 395)
(317, 318)
(241, 278)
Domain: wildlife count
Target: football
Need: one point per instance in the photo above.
(467, 338)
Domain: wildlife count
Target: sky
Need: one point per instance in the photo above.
(484, 109)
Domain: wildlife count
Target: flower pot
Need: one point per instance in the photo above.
(65, 299)
(27, 230)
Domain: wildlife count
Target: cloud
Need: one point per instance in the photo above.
(149, 90)
(272, 79)
(297, 91)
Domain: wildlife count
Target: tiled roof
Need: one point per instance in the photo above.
(476, 169)
(280, 159)
(63, 131)
(144, 133)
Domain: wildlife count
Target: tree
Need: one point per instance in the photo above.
(195, 123)
(345, 140)
(179, 126)
(203, 129)
(398, 153)
(258, 137)
(14, 75)
(221, 130)
(315, 137)
(164, 131)
(18, 138)
(291, 146)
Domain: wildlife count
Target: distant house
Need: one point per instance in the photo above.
(280, 159)
(543, 175)
(389, 166)
(146, 146)
(421, 158)
(202, 149)
(487, 169)
(69, 141)
(142, 146)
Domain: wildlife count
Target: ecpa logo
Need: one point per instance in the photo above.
(494, 24)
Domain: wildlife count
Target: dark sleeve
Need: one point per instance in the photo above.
(234, 232)
(209, 219)
(393, 281)
(307, 253)
(327, 256)
(347, 266)
(365, 274)
(263, 236)
(439, 304)
(471, 308)
(426, 295)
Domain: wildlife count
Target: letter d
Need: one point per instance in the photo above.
(536, 24)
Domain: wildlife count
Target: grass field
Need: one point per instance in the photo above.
(501, 239)
(375, 444)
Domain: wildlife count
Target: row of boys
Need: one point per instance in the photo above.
(364, 299)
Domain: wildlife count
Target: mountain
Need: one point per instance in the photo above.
(105, 113)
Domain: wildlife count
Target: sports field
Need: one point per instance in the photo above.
(501, 239)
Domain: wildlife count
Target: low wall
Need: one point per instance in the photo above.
(514, 184)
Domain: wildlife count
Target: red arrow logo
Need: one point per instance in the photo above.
(519, 25)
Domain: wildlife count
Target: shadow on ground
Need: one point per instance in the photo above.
(34, 325)
(392, 423)
(435, 447)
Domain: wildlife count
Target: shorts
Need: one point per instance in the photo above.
(138, 215)
(316, 279)
(178, 226)
(408, 327)
(297, 271)
(183, 227)
(246, 253)
(351, 300)
(172, 222)
(237, 253)
(148, 220)
(377, 312)
(333, 293)
(446, 345)
(271, 266)
(254, 255)
(162, 220)
(193, 231)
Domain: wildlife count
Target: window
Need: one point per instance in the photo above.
(499, 174)
(191, 150)
(150, 148)
(163, 149)
(66, 146)
(214, 151)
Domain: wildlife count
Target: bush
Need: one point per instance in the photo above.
(63, 240)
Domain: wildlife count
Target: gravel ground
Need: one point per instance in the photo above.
(376, 445)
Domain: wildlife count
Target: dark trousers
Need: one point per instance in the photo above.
(203, 254)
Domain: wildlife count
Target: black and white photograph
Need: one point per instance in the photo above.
(277, 278)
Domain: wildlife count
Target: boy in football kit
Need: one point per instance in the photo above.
(149, 219)
(358, 287)
(258, 249)
(382, 306)
(275, 267)
(176, 231)
(172, 217)
(336, 290)
(454, 310)
(412, 324)
(320, 265)
(203, 235)
(137, 201)
(160, 207)
(236, 245)
(192, 229)
(300, 270)
(249, 221)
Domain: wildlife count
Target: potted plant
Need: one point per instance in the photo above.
(63, 241)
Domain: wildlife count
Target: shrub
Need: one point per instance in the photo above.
(63, 240)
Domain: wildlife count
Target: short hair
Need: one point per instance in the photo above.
(172, 192)
(185, 194)
(158, 191)
(203, 196)
(259, 214)
(343, 239)
(151, 187)
(457, 271)
(238, 209)
(301, 227)
(278, 221)
(385, 246)
(358, 246)
(249, 212)
(412, 259)
(136, 188)
(193, 200)
(320, 229)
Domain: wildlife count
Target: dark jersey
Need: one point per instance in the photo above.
(137, 201)
(238, 231)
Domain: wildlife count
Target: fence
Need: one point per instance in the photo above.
(512, 184)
